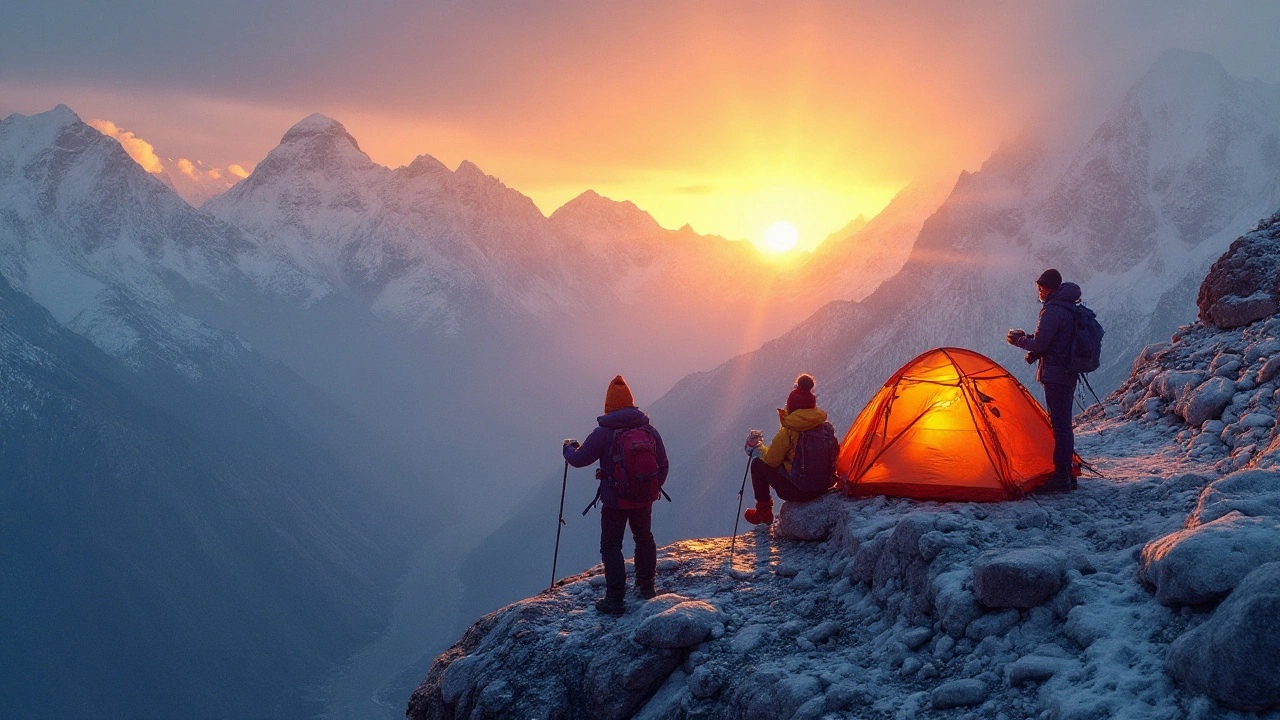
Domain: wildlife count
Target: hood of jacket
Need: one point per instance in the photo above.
(1068, 294)
(622, 419)
(806, 419)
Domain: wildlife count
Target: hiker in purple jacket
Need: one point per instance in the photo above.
(616, 512)
(1050, 345)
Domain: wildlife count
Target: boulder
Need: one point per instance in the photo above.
(1268, 370)
(992, 624)
(1204, 563)
(1207, 401)
(1241, 286)
(1037, 668)
(958, 693)
(620, 679)
(683, 625)
(1234, 657)
(1018, 578)
(772, 694)
(1251, 492)
(813, 520)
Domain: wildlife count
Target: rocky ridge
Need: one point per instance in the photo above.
(1147, 593)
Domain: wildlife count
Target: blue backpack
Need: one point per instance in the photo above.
(1086, 341)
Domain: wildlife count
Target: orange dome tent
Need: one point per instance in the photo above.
(950, 425)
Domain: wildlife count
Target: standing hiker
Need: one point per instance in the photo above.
(1051, 345)
(800, 464)
(633, 467)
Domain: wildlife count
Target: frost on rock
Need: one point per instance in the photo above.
(1018, 578)
(1207, 401)
(1234, 657)
(1234, 528)
(683, 625)
(1203, 564)
(812, 520)
(1244, 284)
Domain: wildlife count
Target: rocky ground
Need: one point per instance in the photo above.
(1152, 591)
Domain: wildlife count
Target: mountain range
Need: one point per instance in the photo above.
(250, 415)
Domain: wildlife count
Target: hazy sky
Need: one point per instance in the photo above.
(725, 115)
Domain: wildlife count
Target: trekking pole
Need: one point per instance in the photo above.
(741, 491)
(555, 558)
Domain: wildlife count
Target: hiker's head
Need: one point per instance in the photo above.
(618, 395)
(801, 397)
(1049, 281)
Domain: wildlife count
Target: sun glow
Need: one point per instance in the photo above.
(781, 236)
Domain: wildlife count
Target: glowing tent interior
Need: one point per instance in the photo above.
(949, 425)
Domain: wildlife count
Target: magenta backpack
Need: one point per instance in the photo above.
(636, 473)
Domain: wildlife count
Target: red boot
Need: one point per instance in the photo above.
(761, 514)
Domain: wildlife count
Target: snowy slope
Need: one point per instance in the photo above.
(852, 263)
(106, 247)
(1147, 593)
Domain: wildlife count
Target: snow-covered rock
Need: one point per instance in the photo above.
(958, 693)
(1234, 657)
(1204, 563)
(1207, 401)
(812, 520)
(683, 625)
(1018, 578)
(1243, 286)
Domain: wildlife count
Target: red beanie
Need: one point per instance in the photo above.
(802, 397)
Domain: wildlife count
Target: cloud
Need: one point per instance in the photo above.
(192, 179)
(140, 150)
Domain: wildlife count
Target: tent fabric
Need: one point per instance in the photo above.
(949, 425)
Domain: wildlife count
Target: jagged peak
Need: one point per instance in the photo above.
(1182, 64)
(316, 125)
(59, 117)
(424, 165)
(469, 170)
(1182, 77)
(592, 203)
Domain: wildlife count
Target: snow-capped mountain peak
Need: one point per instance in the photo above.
(592, 216)
(316, 144)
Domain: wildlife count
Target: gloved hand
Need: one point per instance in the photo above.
(1012, 336)
(754, 440)
(574, 443)
(1031, 358)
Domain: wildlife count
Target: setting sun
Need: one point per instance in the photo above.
(781, 236)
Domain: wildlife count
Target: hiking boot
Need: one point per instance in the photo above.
(646, 591)
(1059, 482)
(761, 514)
(615, 607)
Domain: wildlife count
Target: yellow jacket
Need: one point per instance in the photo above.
(783, 448)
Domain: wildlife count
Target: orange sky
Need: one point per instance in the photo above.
(725, 115)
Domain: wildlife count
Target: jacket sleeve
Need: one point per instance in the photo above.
(1048, 327)
(777, 452)
(590, 451)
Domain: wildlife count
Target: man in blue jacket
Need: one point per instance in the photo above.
(1051, 346)
(621, 415)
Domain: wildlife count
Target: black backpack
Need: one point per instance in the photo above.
(1086, 341)
(813, 467)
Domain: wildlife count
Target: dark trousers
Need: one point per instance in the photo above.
(764, 477)
(613, 523)
(1058, 397)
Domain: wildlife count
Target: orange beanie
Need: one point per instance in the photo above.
(618, 396)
